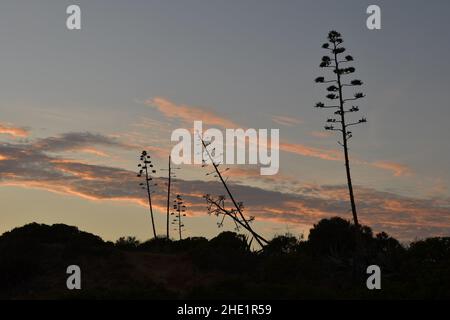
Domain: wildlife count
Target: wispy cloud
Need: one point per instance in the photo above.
(13, 131)
(189, 114)
(288, 121)
(78, 141)
(320, 134)
(397, 168)
(94, 151)
(439, 187)
(307, 151)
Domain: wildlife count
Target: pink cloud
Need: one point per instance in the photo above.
(189, 114)
(13, 131)
(303, 150)
(320, 134)
(397, 168)
(286, 121)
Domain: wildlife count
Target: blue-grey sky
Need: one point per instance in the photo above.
(249, 62)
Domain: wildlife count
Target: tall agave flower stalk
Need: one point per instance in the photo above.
(170, 175)
(179, 213)
(145, 172)
(339, 64)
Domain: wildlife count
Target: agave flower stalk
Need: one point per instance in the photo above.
(338, 63)
(145, 171)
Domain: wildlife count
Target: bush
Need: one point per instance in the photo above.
(282, 245)
(338, 238)
(128, 243)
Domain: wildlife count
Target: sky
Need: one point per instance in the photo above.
(78, 106)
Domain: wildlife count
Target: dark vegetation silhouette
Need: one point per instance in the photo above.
(127, 243)
(179, 212)
(216, 205)
(145, 171)
(33, 259)
(170, 175)
(337, 62)
(169, 180)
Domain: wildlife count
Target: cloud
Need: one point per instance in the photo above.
(439, 187)
(30, 165)
(397, 168)
(13, 131)
(307, 151)
(189, 114)
(78, 141)
(94, 151)
(320, 134)
(286, 121)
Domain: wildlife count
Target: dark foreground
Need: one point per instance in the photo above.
(329, 265)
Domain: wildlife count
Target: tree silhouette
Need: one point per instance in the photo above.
(145, 170)
(336, 237)
(335, 89)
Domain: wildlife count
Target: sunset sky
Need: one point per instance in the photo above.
(77, 108)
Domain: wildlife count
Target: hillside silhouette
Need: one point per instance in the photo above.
(34, 258)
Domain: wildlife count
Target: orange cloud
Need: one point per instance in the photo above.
(397, 168)
(157, 151)
(66, 161)
(68, 190)
(439, 187)
(94, 151)
(286, 121)
(189, 113)
(303, 150)
(320, 134)
(13, 131)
